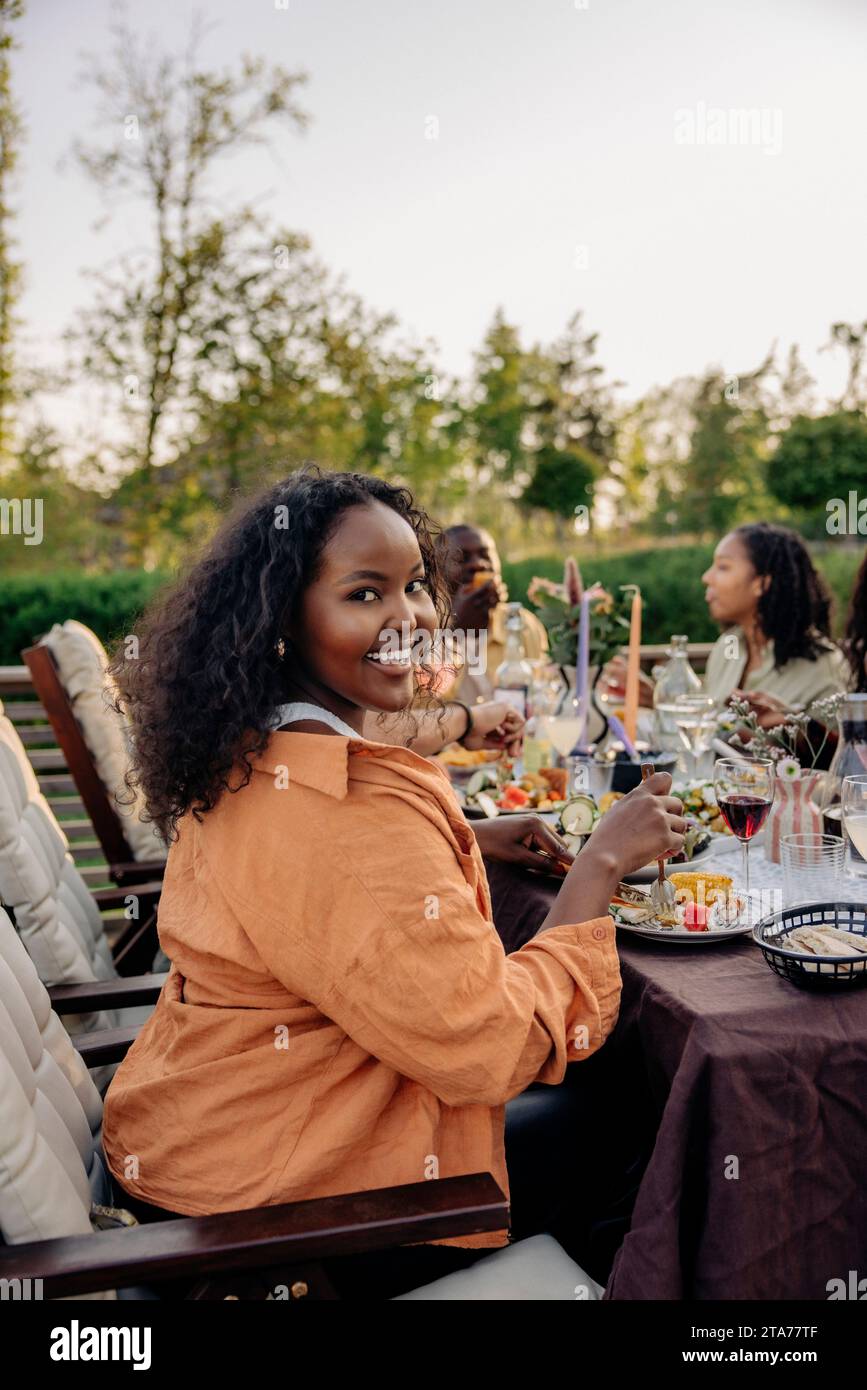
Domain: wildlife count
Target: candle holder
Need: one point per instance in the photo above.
(627, 773)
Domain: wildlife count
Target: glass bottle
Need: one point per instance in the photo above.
(850, 760)
(541, 703)
(675, 679)
(514, 674)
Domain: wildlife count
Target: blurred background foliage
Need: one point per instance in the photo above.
(669, 578)
(223, 353)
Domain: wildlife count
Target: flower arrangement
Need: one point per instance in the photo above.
(785, 740)
(558, 608)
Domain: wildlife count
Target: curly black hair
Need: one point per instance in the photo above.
(856, 630)
(795, 609)
(207, 678)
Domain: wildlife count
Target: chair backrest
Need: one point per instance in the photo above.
(69, 668)
(54, 913)
(51, 1166)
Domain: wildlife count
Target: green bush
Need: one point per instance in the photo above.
(670, 581)
(108, 603)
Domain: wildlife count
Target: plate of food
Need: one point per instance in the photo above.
(461, 763)
(707, 912)
(493, 791)
(581, 814)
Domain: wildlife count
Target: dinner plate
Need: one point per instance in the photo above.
(648, 873)
(680, 937)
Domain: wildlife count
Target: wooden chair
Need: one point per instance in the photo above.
(58, 918)
(54, 1172)
(123, 865)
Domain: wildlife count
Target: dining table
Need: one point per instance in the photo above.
(746, 1096)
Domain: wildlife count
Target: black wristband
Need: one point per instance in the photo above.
(469, 713)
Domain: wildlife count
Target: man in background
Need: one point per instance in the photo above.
(479, 599)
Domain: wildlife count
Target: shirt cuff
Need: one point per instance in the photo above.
(598, 940)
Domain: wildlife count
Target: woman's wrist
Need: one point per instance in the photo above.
(463, 721)
(587, 889)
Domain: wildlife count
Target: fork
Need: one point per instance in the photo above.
(662, 893)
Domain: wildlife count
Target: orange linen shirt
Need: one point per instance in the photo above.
(340, 1014)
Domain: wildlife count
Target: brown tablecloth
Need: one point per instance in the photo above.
(756, 1181)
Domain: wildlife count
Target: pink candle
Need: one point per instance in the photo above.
(581, 667)
(630, 716)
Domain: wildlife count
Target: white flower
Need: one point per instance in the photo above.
(788, 769)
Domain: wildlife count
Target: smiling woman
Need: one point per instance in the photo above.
(285, 605)
(325, 893)
(370, 581)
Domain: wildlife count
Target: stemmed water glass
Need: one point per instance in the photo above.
(565, 728)
(695, 718)
(744, 794)
(853, 796)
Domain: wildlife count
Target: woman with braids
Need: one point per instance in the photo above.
(340, 1014)
(770, 710)
(765, 592)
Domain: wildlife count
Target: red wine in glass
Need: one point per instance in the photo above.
(744, 794)
(744, 815)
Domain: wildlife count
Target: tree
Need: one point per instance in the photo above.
(562, 482)
(819, 458)
(577, 406)
(852, 338)
(797, 388)
(162, 315)
(496, 419)
(11, 128)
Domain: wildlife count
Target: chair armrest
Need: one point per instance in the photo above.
(106, 994)
(137, 870)
(261, 1237)
(111, 1045)
(114, 897)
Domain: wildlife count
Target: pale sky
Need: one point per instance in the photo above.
(575, 166)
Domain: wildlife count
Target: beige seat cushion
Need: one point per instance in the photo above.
(532, 1270)
(55, 915)
(51, 1168)
(82, 663)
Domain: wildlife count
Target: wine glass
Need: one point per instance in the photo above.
(564, 729)
(744, 794)
(694, 717)
(853, 794)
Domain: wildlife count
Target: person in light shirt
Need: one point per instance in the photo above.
(774, 608)
(771, 711)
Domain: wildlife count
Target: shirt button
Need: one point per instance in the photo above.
(598, 933)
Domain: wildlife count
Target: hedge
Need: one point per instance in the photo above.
(670, 579)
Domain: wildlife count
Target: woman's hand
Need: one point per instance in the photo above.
(646, 824)
(519, 840)
(769, 711)
(614, 678)
(496, 725)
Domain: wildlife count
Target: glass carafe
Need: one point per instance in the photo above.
(850, 760)
(675, 679)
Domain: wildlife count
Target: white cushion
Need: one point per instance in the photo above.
(50, 1164)
(56, 917)
(531, 1270)
(82, 665)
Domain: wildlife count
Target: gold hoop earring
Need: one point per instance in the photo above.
(280, 648)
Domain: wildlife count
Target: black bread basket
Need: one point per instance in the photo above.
(809, 971)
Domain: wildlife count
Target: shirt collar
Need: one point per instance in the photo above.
(766, 664)
(323, 761)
